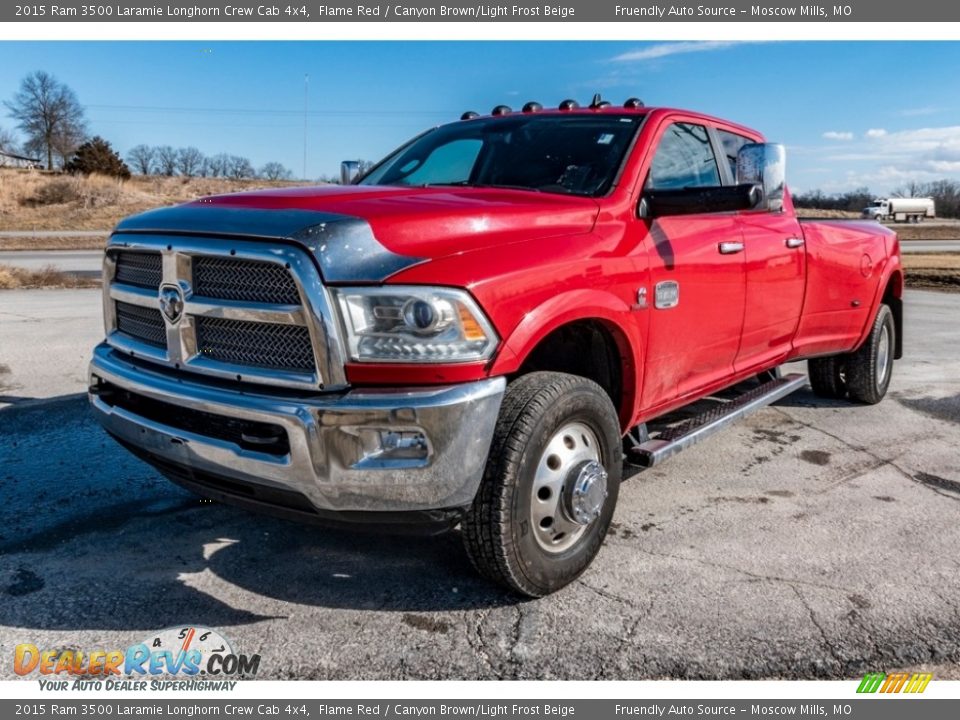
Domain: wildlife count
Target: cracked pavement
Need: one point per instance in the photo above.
(814, 539)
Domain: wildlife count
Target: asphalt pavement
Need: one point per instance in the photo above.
(815, 539)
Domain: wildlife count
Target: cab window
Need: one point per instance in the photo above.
(684, 159)
(731, 143)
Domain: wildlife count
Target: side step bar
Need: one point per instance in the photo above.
(689, 432)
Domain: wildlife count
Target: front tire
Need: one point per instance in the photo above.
(550, 486)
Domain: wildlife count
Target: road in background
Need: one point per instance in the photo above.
(72, 261)
(815, 539)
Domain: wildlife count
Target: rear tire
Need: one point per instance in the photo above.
(550, 486)
(827, 377)
(870, 367)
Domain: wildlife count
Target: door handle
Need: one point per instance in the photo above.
(794, 242)
(730, 248)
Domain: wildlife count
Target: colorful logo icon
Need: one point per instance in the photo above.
(895, 683)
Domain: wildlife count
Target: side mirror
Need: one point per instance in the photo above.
(697, 200)
(349, 171)
(764, 164)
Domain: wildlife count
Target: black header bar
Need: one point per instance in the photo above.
(625, 11)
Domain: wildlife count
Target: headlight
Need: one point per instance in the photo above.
(414, 324)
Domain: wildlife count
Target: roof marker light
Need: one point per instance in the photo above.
(633, 103)
(501, 110)
(569, 105)
(469, 115)
(532, 107)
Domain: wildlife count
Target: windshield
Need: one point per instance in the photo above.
(877, 203)
(575, 155)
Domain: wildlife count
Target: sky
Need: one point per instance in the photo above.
(852, 114)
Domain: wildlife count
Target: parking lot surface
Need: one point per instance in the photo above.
(815, 539)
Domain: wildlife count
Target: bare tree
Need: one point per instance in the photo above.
(49, 115)
(166, 160)
(275, 171)
(141, 158)
(189, 160)
(910, 190)
(219, 165)
(240, 168)
(8, 141)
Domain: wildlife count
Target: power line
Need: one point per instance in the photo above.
(378, 112)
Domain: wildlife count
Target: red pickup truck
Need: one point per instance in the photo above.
(478, 330)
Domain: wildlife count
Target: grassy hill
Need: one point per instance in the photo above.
(32, 200)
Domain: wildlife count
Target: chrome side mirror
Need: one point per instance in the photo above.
(349, 171)
(764, 165)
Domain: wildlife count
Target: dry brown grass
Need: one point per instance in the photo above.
(949, 230)
(933, 271)
(16, 278)
(53, 243)
(816, 213)
(32, 200)
(931, 261)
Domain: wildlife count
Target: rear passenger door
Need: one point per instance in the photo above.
(775, 258)
(696, 294)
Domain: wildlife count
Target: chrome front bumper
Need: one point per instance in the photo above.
(391, 450)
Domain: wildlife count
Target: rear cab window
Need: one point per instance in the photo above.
(684, 159)
(731, 144)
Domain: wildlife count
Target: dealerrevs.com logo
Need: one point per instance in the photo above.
(185, 652)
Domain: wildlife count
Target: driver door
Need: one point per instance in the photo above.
(697, 276)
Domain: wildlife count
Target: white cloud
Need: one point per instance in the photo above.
(876, 133)
(885, 161)
(662, 50)
(836, 135)
(944, 166)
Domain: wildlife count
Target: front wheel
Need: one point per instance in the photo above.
(550, 485)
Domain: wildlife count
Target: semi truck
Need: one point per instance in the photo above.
(911, 210)
(479, 330)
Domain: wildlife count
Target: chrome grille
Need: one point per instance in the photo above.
(228, 278)
(142, 323)
(259, 344)
(140, 269)
(252, 310)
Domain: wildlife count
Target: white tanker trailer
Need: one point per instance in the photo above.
(900, 209)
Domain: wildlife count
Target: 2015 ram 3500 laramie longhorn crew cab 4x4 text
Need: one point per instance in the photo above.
(474, 330)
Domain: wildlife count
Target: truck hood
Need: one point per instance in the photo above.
(367, 233)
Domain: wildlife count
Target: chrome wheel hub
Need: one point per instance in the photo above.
(585, 492)
(883, 356)
(569, 488)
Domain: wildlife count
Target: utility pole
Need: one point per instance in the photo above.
(306, 97)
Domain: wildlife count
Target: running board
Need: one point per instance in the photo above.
(689, 432)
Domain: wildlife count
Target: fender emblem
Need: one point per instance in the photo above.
(641, 299)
